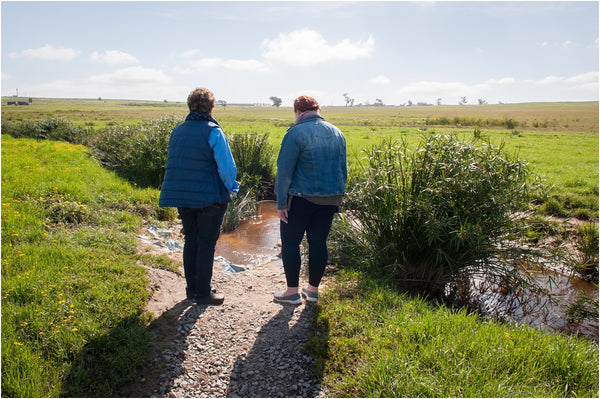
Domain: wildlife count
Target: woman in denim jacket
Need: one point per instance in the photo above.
(310, 182)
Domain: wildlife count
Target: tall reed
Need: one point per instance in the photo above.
(428, 216)
(254, 157)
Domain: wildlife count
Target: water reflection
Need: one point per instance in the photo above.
(538, 309)
(255, 241)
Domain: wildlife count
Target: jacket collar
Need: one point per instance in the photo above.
(310, 118)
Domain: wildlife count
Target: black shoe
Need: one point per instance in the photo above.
(212, 299)
(192, 297)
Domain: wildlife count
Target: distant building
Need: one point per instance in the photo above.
(19, 101)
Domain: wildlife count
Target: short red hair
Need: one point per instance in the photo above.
(306, 103)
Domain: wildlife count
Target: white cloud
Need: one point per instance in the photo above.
(191, 53)
(428, 88)
(231, 64)
(589, 77)
(118, 87)
(306, 47)
(584, 78)
(380, 80)
(113, 57)
(567, 43)
(131, 76)
(503, 81)
(549, 80)
(581, 87)
(245, 65)
(47, 52)
(451, 92)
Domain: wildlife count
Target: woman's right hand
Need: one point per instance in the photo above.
(283, 215)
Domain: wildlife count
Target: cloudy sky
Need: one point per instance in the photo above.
(248, 51)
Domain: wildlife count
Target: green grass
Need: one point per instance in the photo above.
(72, 293)
(374, 342)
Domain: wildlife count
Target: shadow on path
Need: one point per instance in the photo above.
(276, 365)
(166, 351)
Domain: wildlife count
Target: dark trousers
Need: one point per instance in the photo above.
(201, 228)
(315, 220)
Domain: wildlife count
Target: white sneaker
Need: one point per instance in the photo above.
(309, 295)
(293, 299)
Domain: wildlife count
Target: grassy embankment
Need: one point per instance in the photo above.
(72, 293)
(376, 342)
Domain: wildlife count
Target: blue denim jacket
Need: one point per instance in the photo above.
(311, 161)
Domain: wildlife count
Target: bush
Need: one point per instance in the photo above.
(48, 129)
(254, 155)
(137, 153)
(429, 217)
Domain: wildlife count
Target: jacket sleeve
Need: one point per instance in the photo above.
(286, 165)
(224, 159)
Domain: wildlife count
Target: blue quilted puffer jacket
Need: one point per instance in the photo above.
(192, 178)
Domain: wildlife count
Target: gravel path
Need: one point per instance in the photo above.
(248, 347)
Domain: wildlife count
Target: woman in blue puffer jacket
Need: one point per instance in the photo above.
(310, 182)
(199, 180)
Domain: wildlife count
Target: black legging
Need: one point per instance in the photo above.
(201, 228)
(315, 220)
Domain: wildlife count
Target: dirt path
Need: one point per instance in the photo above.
(247, 347)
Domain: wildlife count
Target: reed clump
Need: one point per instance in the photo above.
(427, 217)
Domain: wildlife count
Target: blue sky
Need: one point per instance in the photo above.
(246, 52)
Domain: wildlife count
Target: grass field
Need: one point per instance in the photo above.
(559, 139)
(564, 117)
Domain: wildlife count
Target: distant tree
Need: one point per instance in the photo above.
(378, 102)
(222, 102)
(438, 101)
(463, 101)
(165, 100)
(481, 101)
(276, 101)
(349, 101)
(409, 104)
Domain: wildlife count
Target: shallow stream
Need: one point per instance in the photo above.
(256, 242)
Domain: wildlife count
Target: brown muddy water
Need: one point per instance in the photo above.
(255, 241)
